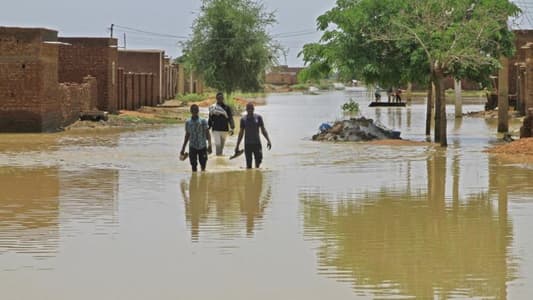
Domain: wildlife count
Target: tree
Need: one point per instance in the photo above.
(422, 39)
(230, 47)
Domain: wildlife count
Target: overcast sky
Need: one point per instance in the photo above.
(171, 17)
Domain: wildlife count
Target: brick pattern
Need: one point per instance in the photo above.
(31, 99)
(97, 57)
(28, 80)
(77, 98)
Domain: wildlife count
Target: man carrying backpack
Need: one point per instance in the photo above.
(250, 125)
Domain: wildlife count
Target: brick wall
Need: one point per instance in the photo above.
(76, 98)
(28, 80)
(96, 57)
(283, 75)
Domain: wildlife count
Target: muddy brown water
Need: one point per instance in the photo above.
(114, 214)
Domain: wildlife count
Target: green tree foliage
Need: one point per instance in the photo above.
(230, 46)
(394, 41)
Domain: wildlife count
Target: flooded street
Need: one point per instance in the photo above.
(112, 214)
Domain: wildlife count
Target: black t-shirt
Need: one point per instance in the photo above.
(220, 122)
(251, 125)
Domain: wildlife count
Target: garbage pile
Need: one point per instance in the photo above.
(354, 130)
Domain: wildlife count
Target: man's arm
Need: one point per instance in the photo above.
(239, 139)
(265, 133)
(185, 141)
(230, 120)
(210, 121)
(241, 134)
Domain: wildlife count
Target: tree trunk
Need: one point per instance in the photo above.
(503, 96)
(437, 111)
(409, 92)
(440, 110)
(429, 109)
(458, 99)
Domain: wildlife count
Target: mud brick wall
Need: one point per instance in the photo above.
(96, 57)
(121, 90)
(76, 98)
(170, 81)
(28, 80)
(144, 61)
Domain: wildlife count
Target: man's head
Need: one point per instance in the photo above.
(220, 98)
(250, 108)
(195, 110)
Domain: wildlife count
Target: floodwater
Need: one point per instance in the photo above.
(115, 215)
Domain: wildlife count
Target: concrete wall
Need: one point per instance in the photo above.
(96, 57)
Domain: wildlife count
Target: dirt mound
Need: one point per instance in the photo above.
(490, 114)
(520, 147)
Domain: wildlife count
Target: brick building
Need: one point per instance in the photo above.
(282, 75)
(97, 57)
(31, 99)
(148, 62)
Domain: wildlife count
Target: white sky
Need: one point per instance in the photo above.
(172, 17)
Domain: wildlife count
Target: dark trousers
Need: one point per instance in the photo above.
(257, 151)
(196, 155)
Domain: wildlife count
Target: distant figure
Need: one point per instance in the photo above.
(398, 95)
(250, 125)
(220, 116)
(197, 132)
(389, 94)
(377, 94)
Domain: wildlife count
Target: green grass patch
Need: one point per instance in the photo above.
(192, 97)
(300, 87)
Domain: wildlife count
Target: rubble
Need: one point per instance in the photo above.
(526, 131)
(355, 130)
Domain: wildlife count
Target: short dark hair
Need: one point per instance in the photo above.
(194, 107)
(219, 94)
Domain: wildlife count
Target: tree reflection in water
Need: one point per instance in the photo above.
(404, 243)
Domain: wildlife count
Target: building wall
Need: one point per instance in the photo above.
(97, 57)
(144, 61)
(282, 75)
(28, 80)
(76, 98)
(31, 99)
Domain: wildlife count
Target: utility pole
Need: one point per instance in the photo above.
(111, 29)
(124, 40)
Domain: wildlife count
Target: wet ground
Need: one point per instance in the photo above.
(114, 215)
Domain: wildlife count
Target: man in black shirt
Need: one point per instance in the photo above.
(250, 125)
(220, 122)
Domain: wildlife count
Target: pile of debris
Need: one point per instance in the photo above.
(526, 131)
(355, 130)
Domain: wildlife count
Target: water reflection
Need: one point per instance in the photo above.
(29, 211)
(219, 206)
(412, 243)
(89, 197)
(39, 206)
